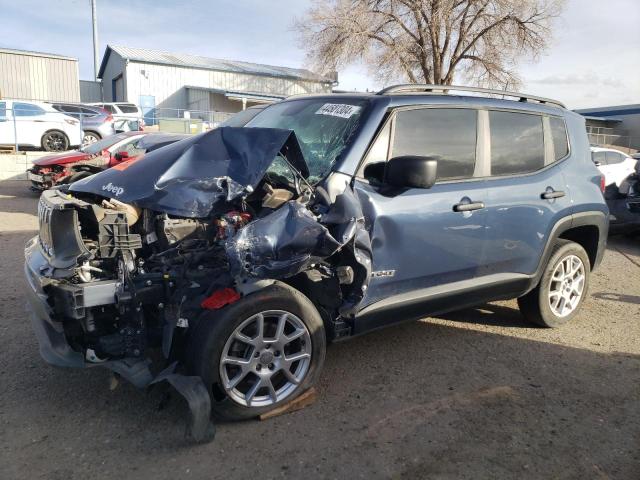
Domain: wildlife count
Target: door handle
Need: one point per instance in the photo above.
(551, 194)
(468, 207)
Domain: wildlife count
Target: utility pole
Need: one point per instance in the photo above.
(94, 19)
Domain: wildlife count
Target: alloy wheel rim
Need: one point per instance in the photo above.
(88, 140)
(55, 141)
(566, 286)
(266, 358)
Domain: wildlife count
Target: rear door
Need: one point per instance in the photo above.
(419, 239)
(32, 122)
(527, 192)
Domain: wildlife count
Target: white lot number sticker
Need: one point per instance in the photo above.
(338, 110)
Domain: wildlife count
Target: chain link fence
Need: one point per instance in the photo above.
(611, 137)
(29, 126)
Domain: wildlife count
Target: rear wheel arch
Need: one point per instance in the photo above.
(588, 237)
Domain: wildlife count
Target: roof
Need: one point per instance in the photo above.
(616, 110)
(159, 57)
(36, 54)
(601, 119)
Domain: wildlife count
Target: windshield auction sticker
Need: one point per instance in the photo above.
(338, 110)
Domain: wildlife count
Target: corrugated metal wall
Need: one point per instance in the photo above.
(37, 77)
(115, 66)
(90, 91)
(166, 83)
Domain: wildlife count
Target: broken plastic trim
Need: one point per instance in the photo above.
(291, 239)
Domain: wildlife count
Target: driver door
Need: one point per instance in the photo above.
(426, 242)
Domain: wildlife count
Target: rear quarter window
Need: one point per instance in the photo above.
(559, 136)
(127, 108)
(517, 143)
(614, 158)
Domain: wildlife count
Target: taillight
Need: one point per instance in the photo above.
(603, 185)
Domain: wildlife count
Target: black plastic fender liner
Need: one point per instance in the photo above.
(200, 428)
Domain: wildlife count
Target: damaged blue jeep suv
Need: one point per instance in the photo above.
(225, 262)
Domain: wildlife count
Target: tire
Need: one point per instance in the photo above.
(90, 137)
(55, 141)
(77, 176)
(539, 306)
(214, 337)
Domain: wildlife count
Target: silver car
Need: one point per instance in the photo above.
(97, 123)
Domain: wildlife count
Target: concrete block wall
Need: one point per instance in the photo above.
(14, 166)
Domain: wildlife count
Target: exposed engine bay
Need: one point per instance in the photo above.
(124, 279)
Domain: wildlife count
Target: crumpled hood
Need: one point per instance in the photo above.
(192, 177)
(61, 159)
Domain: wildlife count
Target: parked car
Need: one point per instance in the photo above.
(615, 165)
(236, 254)
(128, 116)
(622, 191)
(243, 117)
(72, 166)
(37, 124)
(96, 122)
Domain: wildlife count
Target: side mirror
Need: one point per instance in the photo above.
(411, 171)
(120, 156)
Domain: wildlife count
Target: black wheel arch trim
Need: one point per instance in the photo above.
(595, 218)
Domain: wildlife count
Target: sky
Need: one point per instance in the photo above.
(593, 59)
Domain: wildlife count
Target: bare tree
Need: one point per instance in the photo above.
(432, 41)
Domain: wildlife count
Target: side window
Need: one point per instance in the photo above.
(26, 110)
(559, 135)
(614, 157)
(3, 111)
(87, 112)
(127, 108)
(109, 108)
(517, 143)
(599, 158)
(68, 110)
(132, 148)
(447, 134)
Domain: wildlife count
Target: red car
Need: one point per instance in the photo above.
(69, 167)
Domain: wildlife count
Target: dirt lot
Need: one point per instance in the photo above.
(475, 394)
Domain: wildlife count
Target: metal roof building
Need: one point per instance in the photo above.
(617, 125)
(168, 82)
(38, 76)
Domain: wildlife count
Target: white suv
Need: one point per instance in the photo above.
(127, 116)
(615, 165)
(37, 124)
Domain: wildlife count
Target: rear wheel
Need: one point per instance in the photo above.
(562, 288)
(258, 353)
(89, 137)
(55, 141)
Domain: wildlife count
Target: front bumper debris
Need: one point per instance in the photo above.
(55, 350)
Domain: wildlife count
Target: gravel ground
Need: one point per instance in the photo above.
(472, 394)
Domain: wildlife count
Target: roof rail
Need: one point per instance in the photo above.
(443, 89)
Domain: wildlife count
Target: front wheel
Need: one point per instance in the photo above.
(258, 353)
(562, 289)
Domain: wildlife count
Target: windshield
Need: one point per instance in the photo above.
(323, 128)
(100, 145)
